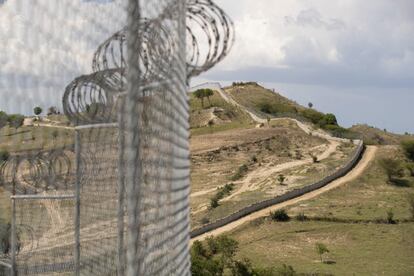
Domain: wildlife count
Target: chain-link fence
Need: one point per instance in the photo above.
(103, 189)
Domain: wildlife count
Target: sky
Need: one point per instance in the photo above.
(350, 57)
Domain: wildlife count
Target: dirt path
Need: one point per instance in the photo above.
(267, 171)
(368, 156)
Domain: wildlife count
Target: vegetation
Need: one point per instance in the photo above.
(53, 110)
(392, 168)
(241, 171)
(408, 147)
(321, 249)
(281, 178)
(351, 220)
(4, 155)
(217, 256)
(16, 120)
(37, 110)
(279, 215)
(203, 93)
(221, 193)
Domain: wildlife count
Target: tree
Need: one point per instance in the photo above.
(321, 249)
(203, 93)
(52, 111)
(3, 119)
(37, 110)
(208, 93)
(408, 147)
(392, 168)
(15, 120)
(310, 105)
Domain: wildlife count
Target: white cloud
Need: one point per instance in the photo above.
(372, 39)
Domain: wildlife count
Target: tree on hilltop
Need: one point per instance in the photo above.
(37, 110)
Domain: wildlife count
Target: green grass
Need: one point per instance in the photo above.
(360, 242)
(356, 249)
(236, 117)
(254, 97)
(34, 138)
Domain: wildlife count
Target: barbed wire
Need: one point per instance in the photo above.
(92, 98)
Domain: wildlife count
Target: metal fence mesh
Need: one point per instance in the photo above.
(104, 189)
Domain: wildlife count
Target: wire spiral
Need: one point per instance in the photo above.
(92, 98)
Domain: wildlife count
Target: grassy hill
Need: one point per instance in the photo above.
(216, 115)
(375, 136)
(263, 101)
(270, 104)
(367, 225)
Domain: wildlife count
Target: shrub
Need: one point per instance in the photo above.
(410, 168)
(240, 172)
(15, 120)
(321, 249)
(4, 155)
(280, 215)
(392, 168)
(214, 202)
(390, 217)
(254, 159)
(312, 115)
(281, 178)
(408, 147)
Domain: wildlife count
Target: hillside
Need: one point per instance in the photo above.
(375, 136)
(215, 114)
(366, 224)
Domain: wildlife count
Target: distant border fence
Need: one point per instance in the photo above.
(282, 198)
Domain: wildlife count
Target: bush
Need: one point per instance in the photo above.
(408, 147)
(390, 217)
(410, 168)
(214, 202)
(392, 168)
(15, 120)
(281, 178)
(241, 171)
(321, 249)
(4, 156)
(280, 215)
(312, 115)
(276, 108)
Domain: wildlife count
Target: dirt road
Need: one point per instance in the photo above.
(368, 156)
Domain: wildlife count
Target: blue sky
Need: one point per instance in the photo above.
(351, 57)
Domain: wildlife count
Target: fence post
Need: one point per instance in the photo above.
(13, 237)
(77, 201)
(121, 192)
